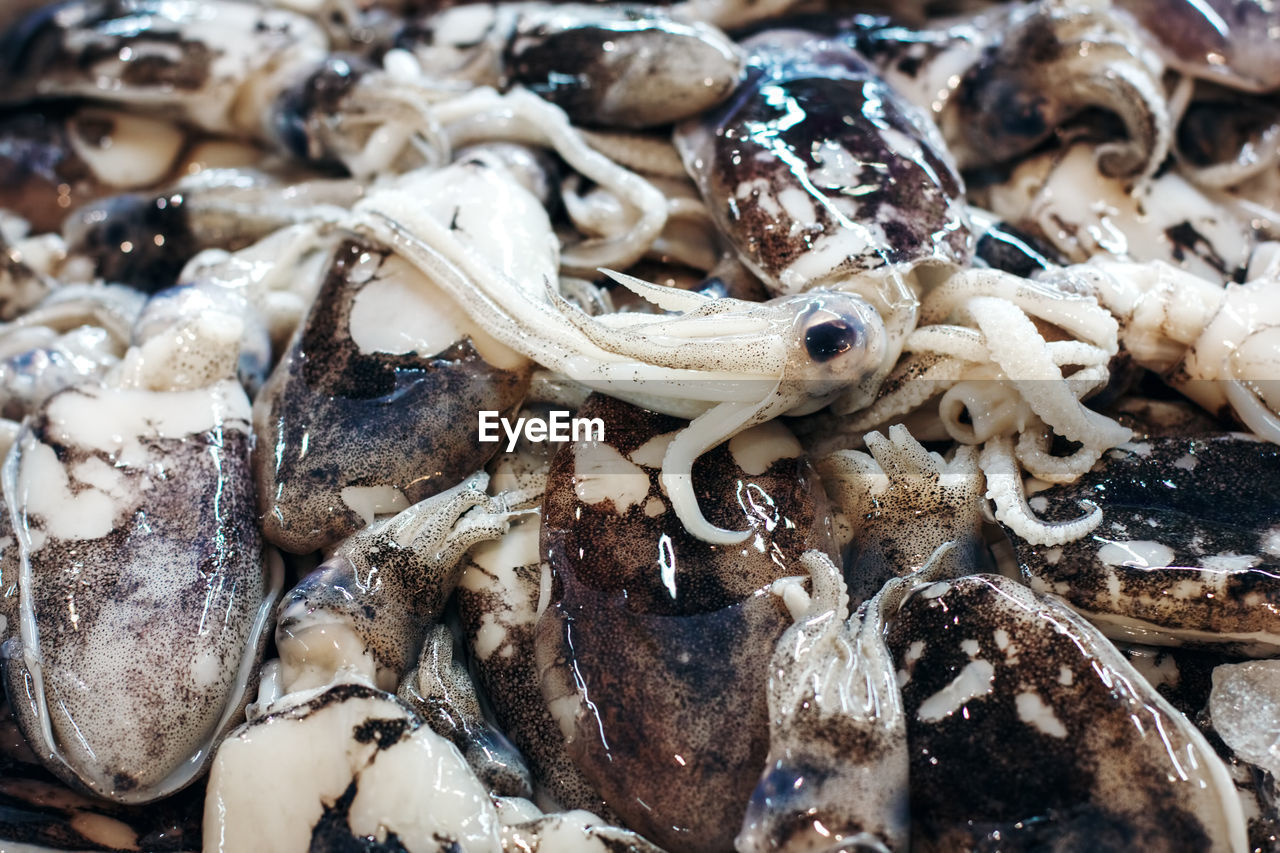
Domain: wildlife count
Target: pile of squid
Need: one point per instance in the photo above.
(923, 368)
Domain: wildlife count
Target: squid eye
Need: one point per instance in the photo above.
(831, 338)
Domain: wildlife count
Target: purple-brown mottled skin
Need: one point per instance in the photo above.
(1212, 502)
(671, 718)
(184, 546)
(1228, 41)
(813, 118)
(1063, 747)
(365, 419)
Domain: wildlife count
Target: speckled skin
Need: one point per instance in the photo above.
(653, 71)
(8, 577)
(611, 65)
(1039, 75)
(441, 692)
(900, 504)
(36, 809)
(639, 675)
(186, 62)
(837, 764)
(506, 597)
(366, 419)
(1202, 498)
(1185, 677)
(222, 209)
(388, 582)
(141, 632)
(510, 680)
(354, 727)
(812, 117)
(1084, 761)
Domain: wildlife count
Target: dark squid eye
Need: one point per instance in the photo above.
(831, 338)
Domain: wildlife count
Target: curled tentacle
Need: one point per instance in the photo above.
(1074, 312)
(1218, 345)
(1004, 487)
(1063, 198)
(917, 378)
(1042, 74)
(1032, 451)
(1010, 338)
(483, 114)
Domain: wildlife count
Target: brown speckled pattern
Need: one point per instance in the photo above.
(653, 677)
(388, 582)
(1213, 502)
(35, 809)
(815, 120)
(1227, 41)
(639, 69)
(177, 63)
(925, 504)
(407, 421)
(510, 680)
(8, 577)
(441, 692)
(1059, 748)
(142, 631)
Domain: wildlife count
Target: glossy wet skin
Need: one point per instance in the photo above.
(1186, 553)
(384, 750)
(1228, 41)
(499, 594)
(605, 65)
(184, 61)
(643, 72)
(666, 636)
(441, 692)
(1024, 721)
(36, 159)
(415, 415)
(40, 811)
(139, 673)
(817, 171)
(673, 627)
(1050, 65)
(901, 505)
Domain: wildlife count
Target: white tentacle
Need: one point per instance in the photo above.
(1004, 487)
(705, 432)
(484, 115)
